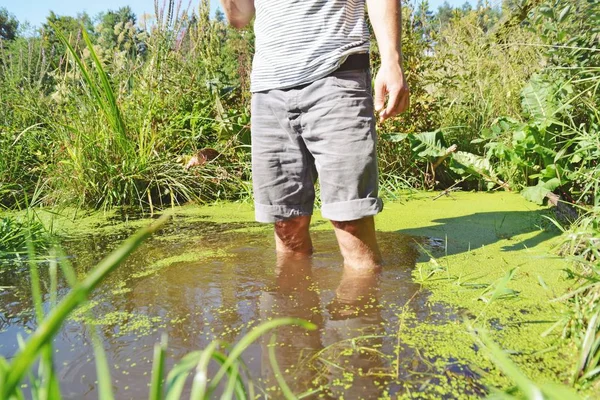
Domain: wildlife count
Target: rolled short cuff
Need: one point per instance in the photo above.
(272, 213)
(352, 209)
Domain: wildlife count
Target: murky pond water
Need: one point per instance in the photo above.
(200, 281)
(378, 336)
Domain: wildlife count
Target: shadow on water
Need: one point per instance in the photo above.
(485, 228)
(201, 281)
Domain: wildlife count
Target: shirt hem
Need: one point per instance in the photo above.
(310, 79)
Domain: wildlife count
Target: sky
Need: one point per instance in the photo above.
(35, 11)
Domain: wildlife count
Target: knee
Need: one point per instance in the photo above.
(291, 227)
(293, 232)
(355, 228)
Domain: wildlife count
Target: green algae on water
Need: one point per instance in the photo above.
(485, 259)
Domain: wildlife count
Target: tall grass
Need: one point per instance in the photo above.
(112, 124)
(113, 154)
(581, 244)
(20, 229)
(15, 232)
(24, 143)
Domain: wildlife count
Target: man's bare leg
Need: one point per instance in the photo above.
(292, 236)
(358, 244)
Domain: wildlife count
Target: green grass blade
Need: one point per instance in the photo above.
(591, 373)
(105, 391)
(65, 266)
(200, 381)
(34, 382)
(502, 361)
(234, 375)
(250, 338)
(287, 392)
(36, 292)
(178, 375)
(586, 346)
(309, 393)
(48, 328)
(3, 372)
(158, 368)
(53, 272)
(82, 67)
(49, 388)
(554, 391)
(112, 110)
(240, 388)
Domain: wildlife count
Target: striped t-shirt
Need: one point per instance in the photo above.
(300, 41)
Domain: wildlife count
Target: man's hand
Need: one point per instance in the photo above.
(386, 18)
(239, 13)
(390, 82)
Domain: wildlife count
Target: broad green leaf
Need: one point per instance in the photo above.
(539, 100)
(537, 194)
(465, 163)
(428, 144)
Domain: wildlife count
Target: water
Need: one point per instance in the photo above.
(200, 280)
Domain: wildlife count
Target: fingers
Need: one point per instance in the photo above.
(392, 105)
(390, 82)
(404, 100)
(380, 92)
(398, 102)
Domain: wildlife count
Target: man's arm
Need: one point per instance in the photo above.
(239, 13)
(386, 18)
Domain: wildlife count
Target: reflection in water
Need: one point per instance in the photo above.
(311, 358)
(220, 285)
(294, 295)
(355, 318)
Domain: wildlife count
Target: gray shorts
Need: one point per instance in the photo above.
(324, 129)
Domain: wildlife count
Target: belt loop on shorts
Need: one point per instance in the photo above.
(356, 61)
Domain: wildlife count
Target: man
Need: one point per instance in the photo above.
(313, 115)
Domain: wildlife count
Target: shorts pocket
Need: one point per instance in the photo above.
(351, 79)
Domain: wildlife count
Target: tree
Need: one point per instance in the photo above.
(8, 25)
(219, 15)
(445, 13)
(68, 26)
(466, 7)
(424, 20)
(116, 29)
